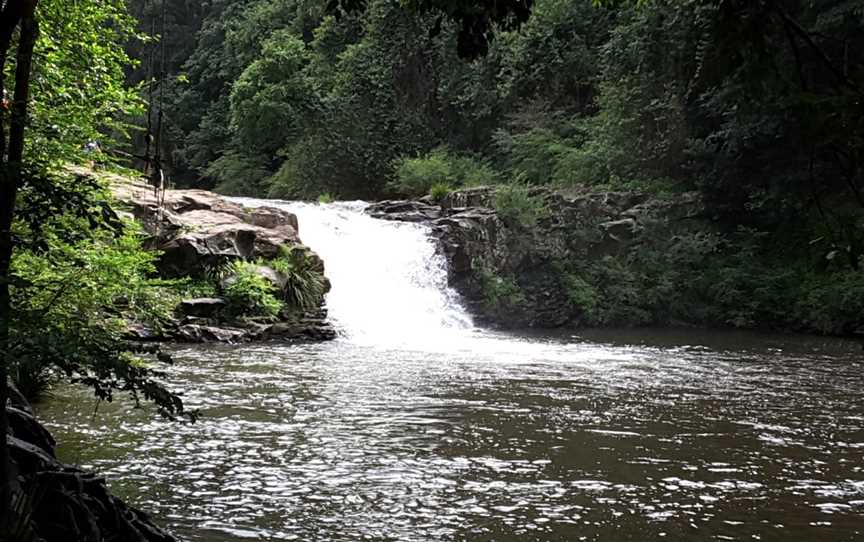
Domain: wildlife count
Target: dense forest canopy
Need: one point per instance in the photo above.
(756, 103)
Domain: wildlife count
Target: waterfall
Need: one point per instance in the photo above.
(389, 283)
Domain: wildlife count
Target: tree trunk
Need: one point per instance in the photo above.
(21, 13)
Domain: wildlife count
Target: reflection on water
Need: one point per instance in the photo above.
(596, 437)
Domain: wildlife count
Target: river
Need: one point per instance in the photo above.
(417, 425)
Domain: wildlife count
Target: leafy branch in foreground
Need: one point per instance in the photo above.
(79, 276)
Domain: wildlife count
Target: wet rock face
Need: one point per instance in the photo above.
(69, 504)
(481, 247)
(405, 211)
(306, 327)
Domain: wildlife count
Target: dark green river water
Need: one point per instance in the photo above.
(617, 436)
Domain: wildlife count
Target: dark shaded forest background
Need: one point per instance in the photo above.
(755, 105)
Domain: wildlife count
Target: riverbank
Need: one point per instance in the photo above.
(536, 257)
(57, 502)
(254, 277)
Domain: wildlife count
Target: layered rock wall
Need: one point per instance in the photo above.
(483, 248)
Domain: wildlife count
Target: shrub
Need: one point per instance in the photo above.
(248, 293)
(516, 205)
(439, 191)
(469, 171)
(417, 176)
(72, 302)
(326, 197)
(832, 303)
(191, 288)
(532, 154)
(237, 174)
(582, 295)
(500, 293)
(305, 284)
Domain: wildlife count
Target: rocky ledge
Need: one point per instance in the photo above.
(196, 233)
(54, 502)
(511, 273)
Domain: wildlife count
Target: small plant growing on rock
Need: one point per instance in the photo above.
(326, 197)
(582, 295)
(500, 293)
(305, 284)
(248, 293)
(439, 191)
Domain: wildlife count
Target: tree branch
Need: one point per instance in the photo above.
(808, 39)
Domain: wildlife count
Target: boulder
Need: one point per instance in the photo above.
(72, 504)
(272, 218)
(481, 196)
(136, 331)
(25, 427)
(620, 230)
(309, 326)
(17, 399)
(196, 333)
(196, 230)
(202, 307)
(404, 211)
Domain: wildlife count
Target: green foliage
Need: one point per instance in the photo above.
(326, 197)
(582, 295)
(77, 90)
(192, 288)
(517, 206)
(248, 293)
(531, 155)
(417, 176)
(832, 303)
(238, 174)
(439, 191)
(78, 273)
(500, 293)
(271, 96)
(305, 284)
(72, 300)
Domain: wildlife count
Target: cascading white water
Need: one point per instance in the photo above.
(389, 284)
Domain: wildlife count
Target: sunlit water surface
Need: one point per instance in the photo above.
(416, 426)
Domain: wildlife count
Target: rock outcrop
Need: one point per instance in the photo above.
(493, 256)
(59, 503)
(196, 232)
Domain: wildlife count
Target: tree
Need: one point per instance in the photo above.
(68, 88)
(20, 14)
